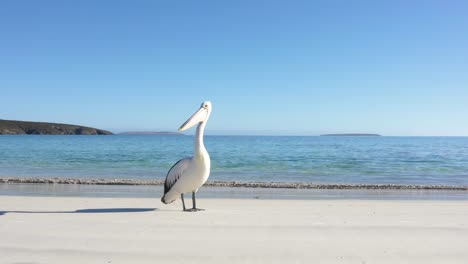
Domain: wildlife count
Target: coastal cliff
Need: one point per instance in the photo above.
(13, 127)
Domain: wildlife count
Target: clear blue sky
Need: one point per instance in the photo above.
(269, 67)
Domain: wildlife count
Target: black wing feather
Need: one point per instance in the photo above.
(167, 184)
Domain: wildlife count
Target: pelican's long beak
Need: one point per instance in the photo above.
(196, 118)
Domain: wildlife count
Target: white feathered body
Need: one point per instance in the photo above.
(187, 176)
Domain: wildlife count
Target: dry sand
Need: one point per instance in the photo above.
(68, 230)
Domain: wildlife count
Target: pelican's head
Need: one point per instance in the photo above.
(201, 115)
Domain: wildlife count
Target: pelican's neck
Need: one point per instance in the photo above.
(200, 150)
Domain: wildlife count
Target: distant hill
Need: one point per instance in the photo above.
(12, 127)
(152, 133)
(351, 135)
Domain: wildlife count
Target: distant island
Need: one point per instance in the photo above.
(351, 135)
(13, 127)
(165, 133)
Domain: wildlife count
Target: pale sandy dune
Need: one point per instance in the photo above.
(232, 231)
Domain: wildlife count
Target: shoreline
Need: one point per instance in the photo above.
(235, 184)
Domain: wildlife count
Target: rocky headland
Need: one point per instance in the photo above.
(13, 127)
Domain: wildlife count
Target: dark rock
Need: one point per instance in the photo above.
(12, 127)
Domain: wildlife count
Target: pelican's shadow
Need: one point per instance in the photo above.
(86, 211)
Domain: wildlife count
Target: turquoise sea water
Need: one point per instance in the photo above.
(400, 160)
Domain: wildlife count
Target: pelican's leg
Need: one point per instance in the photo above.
(182, 198)
(194, 202)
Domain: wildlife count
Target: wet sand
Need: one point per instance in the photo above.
(142, 230)
(156, 191)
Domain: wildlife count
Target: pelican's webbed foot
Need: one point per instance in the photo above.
(194, 210)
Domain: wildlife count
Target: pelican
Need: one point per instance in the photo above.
(189, 174)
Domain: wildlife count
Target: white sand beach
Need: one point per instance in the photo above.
(127, 230)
